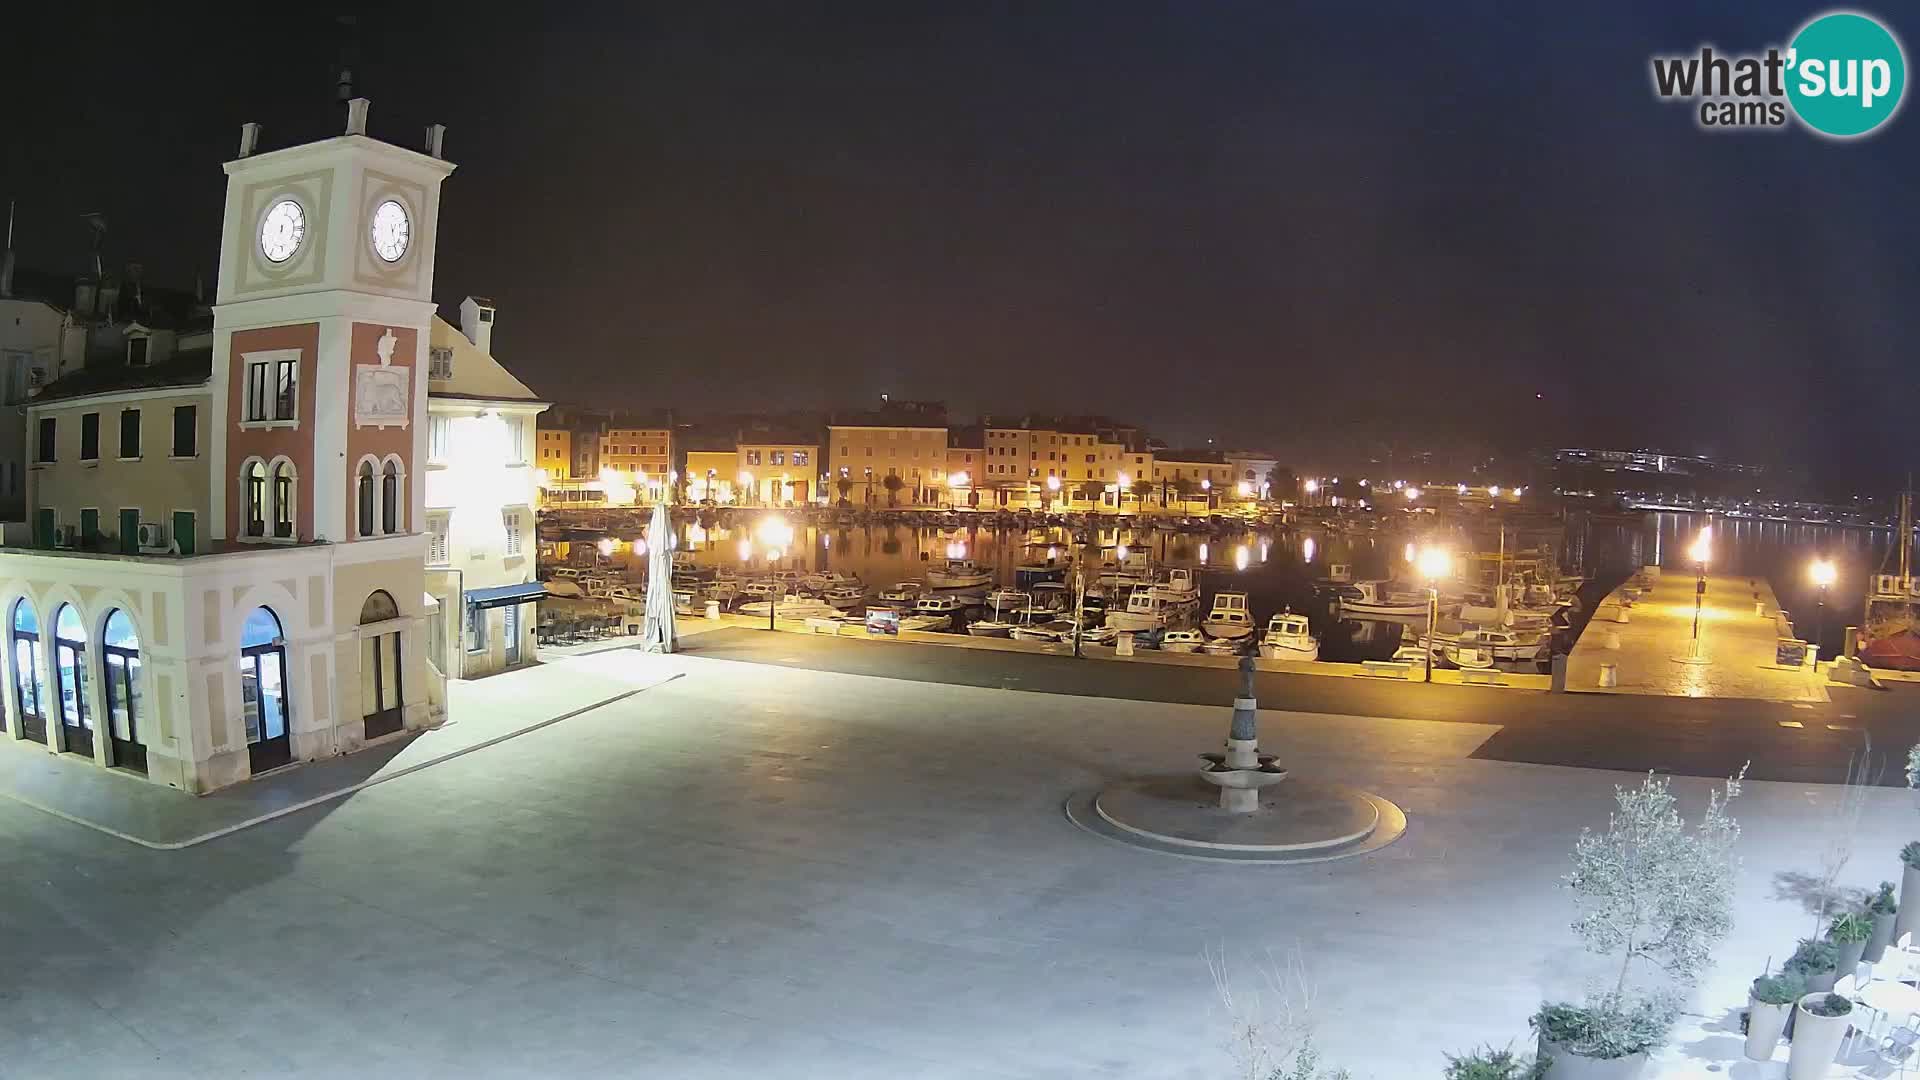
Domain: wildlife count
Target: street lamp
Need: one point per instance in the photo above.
(746, 487)
(1120, 494)
(1311, 486)
(1701, 552)
(1053, 489)
(1434, 563)
(775, 535)
(1823, 574)
(956, 481)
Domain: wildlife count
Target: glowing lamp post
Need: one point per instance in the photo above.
(956, 481)
(746, 488)
(1206, 490)
(775, 536)
(1434, 563)
(1701, 552)
(1822, 574)
(1310, 487)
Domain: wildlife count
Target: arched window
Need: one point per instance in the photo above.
(263, 690)
(365, 498)
(381, 703)
(120, 671)
(390, 522)
(29, 689)
(70, 680)
(283, 478)
(254, 485)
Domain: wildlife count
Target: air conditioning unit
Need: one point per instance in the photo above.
(153, 538)
(36, 376)
(66, 536)
(1888, 585)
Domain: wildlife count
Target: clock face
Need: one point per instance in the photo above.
(391, 230)
(282, 230)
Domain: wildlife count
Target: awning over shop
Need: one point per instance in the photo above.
(506, 595)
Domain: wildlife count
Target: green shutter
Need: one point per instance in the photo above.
(183, 531)
(89, 528)
(43, 527)
(130, 532)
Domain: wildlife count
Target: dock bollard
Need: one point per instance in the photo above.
(1611, 639)
(713, 611)
(1123, 645)
(1759, 607)
(1609, 675)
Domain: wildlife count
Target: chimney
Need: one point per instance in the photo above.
(476, 321)
(357, 116)
(249, 138)
(436, 135)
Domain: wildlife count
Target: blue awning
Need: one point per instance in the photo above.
(506, 595)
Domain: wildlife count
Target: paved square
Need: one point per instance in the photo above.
(757, 871)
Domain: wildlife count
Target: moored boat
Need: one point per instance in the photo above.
(1228, 618)
(1370, 598)
(958, 574)
(1181, 641)
(1289, 637)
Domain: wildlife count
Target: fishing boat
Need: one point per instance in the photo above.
(1467, 656)
(1226, 646)
(844, 596)
(938, 605)
(762, 590)
(1145, 610)
(1178, 587)
(958, 574)
(1037, 634)
(1133, 569)
(1181, 641)
(1052, 596)
(824, 581)
(901, 594)
(1289, 637)
(791, 607)
(1034, 571)
(1370, 598)
(1229, 618)
(1007, 599)
(1890, 627)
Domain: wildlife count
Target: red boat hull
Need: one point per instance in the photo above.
(1896, 652)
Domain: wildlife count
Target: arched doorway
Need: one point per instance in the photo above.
(263, 691)
(120, 672)
(70, 681)
(380, 697)
(29, 687)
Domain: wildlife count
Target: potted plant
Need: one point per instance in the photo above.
(1908, 914)
(1849, 932)
(1817, 962)
(1608, 1038)
(1880, 909)
(1487, 1063)
(1652, 889)
(1822, 1022)
(1769, 1004)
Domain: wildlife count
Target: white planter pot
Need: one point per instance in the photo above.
(1765, 1024)
(1570, 1066)
(1816, 1041)
(1909, 912)
(1850, 953)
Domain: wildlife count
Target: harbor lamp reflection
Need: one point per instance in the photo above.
(1822, 573)
(1701, 552)
(1434, 563)
(775, 537)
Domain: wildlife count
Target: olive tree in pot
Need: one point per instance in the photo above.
(1822, 1020)
(1817, 962)
(1769, 1004)
(1650, 889)
(1849, 933)
(1880, 910)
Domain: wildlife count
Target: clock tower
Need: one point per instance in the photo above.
(321, 320)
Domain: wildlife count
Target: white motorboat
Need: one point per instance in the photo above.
(725, 590)
(1229, 618)
(1052, 596)
(762, 590)
(1501, 644)
(1369, 598)
(1132, 570)
(1094, 635)
(1182, 641)
(845, 596)
(1038, 634)
(1338, 574)
(792, 607)
(943, 608)
(1411, 654)
(902, 594)
(925, 622)
(1289, 637)
(825, 581)
(1178, 587)
(1007, 599)
(1467, 656)
(1145, 610)
(958, 574)
(999, 626)
(1225, 646)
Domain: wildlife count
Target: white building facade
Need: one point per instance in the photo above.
(481, 496)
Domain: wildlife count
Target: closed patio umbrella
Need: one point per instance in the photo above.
(658, 636)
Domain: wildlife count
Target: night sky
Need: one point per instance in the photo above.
(1277, 227)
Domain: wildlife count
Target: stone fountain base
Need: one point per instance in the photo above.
(1297, 820)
